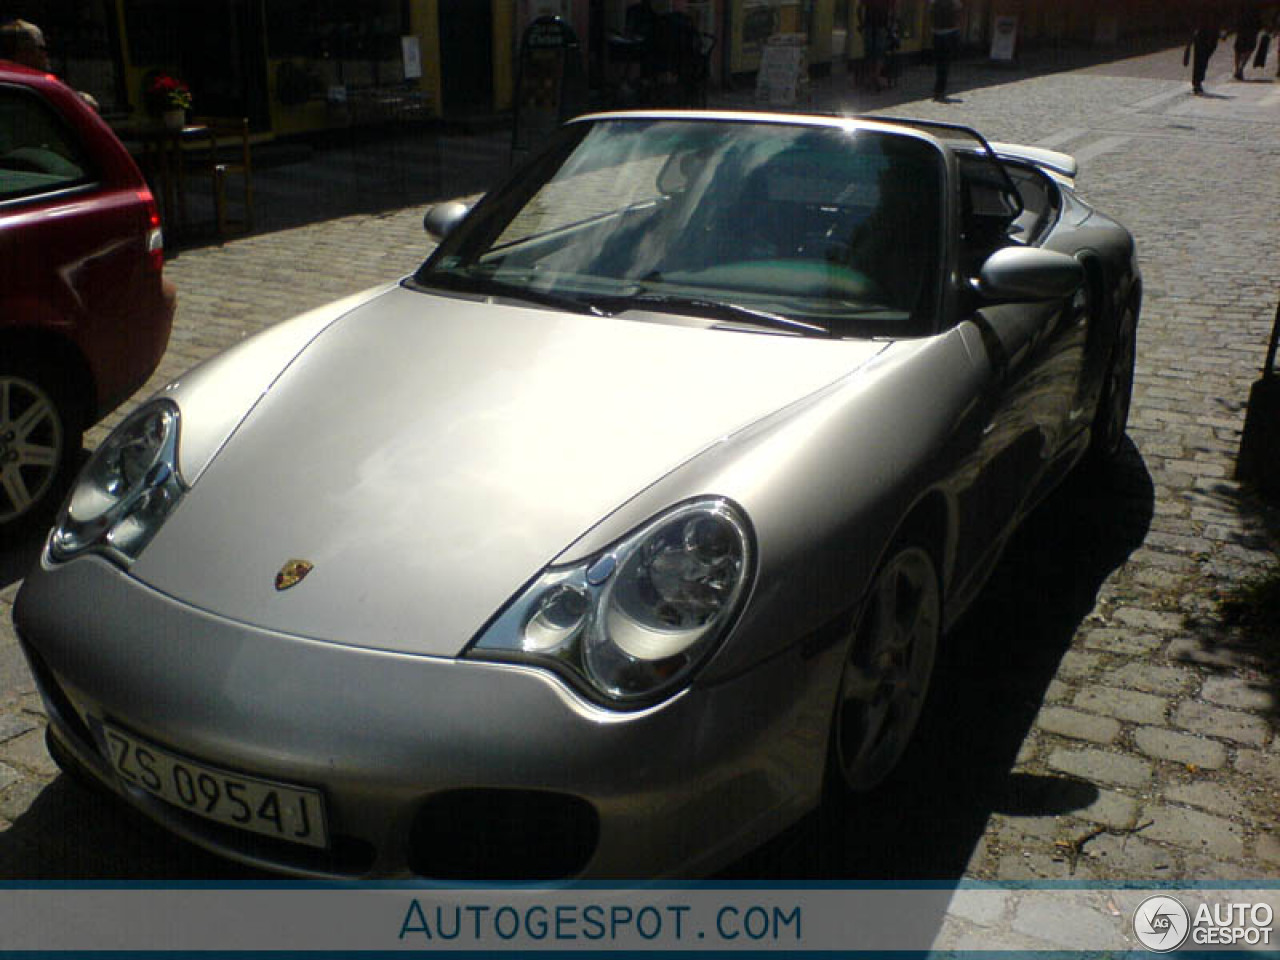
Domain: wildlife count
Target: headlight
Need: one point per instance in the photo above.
(632, 624)
(125, 491)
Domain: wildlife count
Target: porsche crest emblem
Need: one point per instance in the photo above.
(291, 574)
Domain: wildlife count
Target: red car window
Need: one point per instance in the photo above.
(38, 152)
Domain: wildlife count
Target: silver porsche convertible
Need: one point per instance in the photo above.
(613, 539)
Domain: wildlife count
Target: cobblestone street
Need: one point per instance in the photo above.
(1099, 717)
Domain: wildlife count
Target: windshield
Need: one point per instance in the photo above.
(804, 230)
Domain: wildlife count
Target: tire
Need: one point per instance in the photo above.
(1111, 419)
(887, 671)
(40, 436)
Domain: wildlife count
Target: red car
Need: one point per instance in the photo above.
(85, 311)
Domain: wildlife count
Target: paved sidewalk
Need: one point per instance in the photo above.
(1101, 717)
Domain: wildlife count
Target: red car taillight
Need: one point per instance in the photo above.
(155, 236)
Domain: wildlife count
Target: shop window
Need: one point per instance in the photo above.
(354, 43)
(214, 46)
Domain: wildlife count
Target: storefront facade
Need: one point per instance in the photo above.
(295, 66)
(288, 65)
(832, 28)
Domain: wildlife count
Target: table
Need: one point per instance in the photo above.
(162, 154)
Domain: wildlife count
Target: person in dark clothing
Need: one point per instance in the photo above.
(877, 19)
(946, 38)
(1248, 25)
(641, 20)
(1207, 29)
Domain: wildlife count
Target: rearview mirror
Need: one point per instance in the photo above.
(1029, 274)
(679, 171)
(443, 217)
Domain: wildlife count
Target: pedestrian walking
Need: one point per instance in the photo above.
(1205, 33)
(877, 17)
(1273, 34)
(946, 38)
(1247, 26)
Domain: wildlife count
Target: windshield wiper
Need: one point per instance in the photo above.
(713, 309)
(473, 283)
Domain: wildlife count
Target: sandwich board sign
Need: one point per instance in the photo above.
(783, 69)
(550, 86)
(1004, 39)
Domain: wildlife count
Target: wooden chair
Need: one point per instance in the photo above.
(233, 132)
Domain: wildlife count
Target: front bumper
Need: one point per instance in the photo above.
(409, 750)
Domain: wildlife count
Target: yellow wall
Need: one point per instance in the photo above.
(913, 22)
(424, 20)
(820, 23)
(132, 74)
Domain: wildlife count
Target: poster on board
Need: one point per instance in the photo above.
(1004, 39)
(783, 69)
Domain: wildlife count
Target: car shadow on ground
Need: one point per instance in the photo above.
(992, 676)
(75, 832)
(20, 549)
(994, 671)
(18, 553)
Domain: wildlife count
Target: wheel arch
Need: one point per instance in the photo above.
(930, 524)
(928, 527)
(37, 345)
(1096, 281)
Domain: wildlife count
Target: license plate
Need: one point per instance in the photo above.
(266, 807)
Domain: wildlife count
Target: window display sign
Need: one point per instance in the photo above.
(753, 22)
(411, 50)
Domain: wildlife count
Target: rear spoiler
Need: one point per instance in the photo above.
(1060, 163)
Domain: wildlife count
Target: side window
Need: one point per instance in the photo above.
(989, 207)
(1040, 203)
(988, 210)
(38, 151)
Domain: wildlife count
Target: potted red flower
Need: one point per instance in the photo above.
(169, 99)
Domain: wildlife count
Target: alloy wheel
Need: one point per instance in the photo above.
(32, 446)
(886, 676)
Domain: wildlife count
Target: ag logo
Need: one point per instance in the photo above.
(1161, 924)
(291, 573)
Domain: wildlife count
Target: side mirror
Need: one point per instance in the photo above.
(443, 217)
(1029, 274)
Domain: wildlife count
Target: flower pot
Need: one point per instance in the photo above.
(174, 119)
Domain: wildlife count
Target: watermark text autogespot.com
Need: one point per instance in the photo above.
(614, 924)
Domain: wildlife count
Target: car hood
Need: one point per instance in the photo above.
(429, 455)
